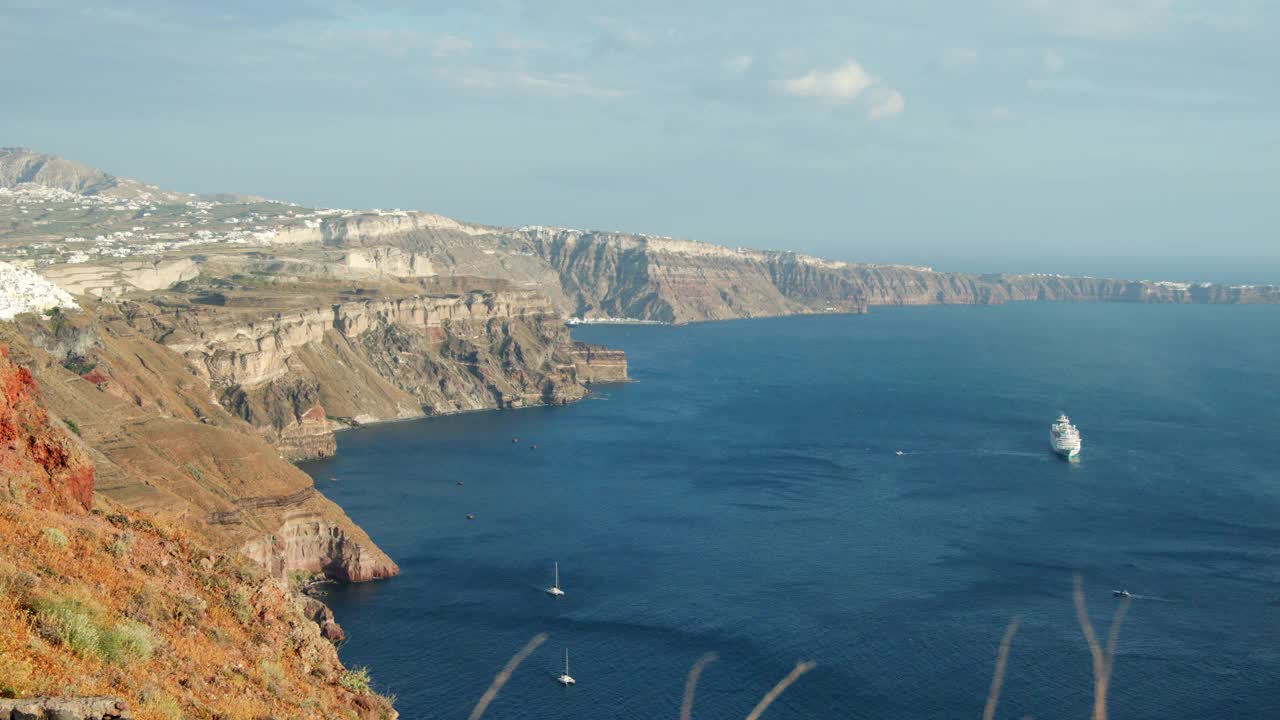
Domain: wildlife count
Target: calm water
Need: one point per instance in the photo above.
(744, 496)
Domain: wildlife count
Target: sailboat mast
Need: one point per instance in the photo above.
(557, 575)
(566, 661)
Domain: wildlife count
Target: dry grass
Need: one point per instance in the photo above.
(781, 687)
(505, 674)
(1104, 658)
(1002, 661)
(124, 607)
(691, 684)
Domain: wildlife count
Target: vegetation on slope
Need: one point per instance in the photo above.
(107, 603)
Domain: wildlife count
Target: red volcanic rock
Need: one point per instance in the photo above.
(315, 414)
(39, 464)
(95, 376)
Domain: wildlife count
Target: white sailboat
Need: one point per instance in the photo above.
(566, 679)
(555, 590)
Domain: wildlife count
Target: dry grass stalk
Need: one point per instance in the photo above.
(691, 685)
(781, 687)
(1002, 660)
(1104, 659)
(502, 677)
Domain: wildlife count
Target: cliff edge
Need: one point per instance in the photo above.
(133, 617)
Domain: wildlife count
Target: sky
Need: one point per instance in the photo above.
(1138, 138)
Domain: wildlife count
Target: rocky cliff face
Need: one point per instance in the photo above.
(40, 465)
(297, 376)
(106, 612)
(599, 364)
(620, 275)
(162, 444)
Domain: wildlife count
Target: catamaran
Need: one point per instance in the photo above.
(555, 590)
(566, 679)
(1065, 438)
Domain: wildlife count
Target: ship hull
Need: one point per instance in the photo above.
(1068, 454)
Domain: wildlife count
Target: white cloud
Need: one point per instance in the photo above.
(958, 58)
(1107, 19)
(886, 103)
(516, 43)
(550, 85)
(446, 45)
(840, 85)
(1053, 62)
(739, 63)
(846, 84)
(1000, 113)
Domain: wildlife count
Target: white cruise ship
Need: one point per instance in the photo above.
(1065, 438)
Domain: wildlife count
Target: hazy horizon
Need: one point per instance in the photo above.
(1135, 138)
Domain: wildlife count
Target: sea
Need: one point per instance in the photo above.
(873, 493)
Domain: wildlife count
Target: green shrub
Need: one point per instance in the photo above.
(73, 625)
(356, 680)
(238, 601)
(55, 537)
(72, 426)
(163, 706)
(68, 622)
(121, 545)
(299, 578)
(78, 364)
(272, 674)
(127, 641)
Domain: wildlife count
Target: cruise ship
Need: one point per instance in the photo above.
(1065, 438)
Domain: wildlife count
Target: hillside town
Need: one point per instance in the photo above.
(22, 291)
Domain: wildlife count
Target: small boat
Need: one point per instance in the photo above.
(471, 516)
(1121, 593)
(899, 453)
(533, 446)
(566, 679)
(555, 590)
(515, 439)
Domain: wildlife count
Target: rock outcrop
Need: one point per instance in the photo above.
(308, 542)
(161, 443)
(40, 465)
(65, 708)
(126, 611)
(298, 375)
(599, 364)
(110, 281)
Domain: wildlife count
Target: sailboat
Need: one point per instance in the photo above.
(555, 590)
(566, 679)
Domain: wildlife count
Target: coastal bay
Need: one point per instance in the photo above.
(744, 495)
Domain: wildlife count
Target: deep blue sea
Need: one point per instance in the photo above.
(743, 495)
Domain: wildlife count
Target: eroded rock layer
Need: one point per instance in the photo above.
(161, 443)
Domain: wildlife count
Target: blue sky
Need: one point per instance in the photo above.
(1132, 137)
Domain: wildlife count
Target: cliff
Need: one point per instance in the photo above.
(163, 445)
(599, 364)
(620, 275)
(594, 274)
(40, 466)
(297, 375)
(133, 617)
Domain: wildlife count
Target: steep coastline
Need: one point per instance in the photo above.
(297, 376)
(162, 445)
(105, 613)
